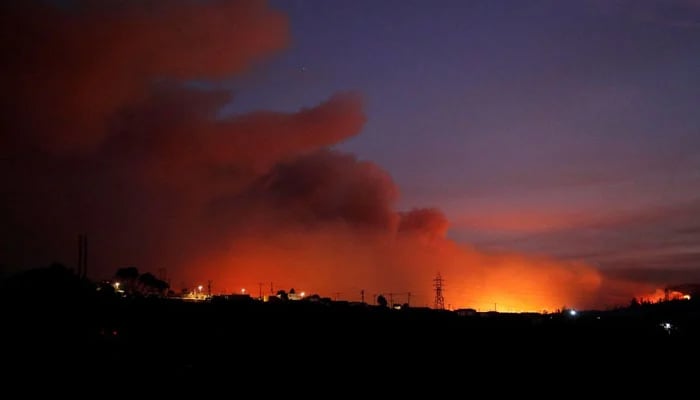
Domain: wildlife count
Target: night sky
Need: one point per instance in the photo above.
(545, 145)
(569, 128)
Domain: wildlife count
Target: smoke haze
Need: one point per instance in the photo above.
(104, 134)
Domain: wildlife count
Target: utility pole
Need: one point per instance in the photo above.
(260, 285)
(209, 287)
(409, 299)
(362, 293)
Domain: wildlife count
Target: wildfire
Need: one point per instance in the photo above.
(660, 295)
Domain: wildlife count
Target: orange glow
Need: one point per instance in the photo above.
(661, 295)
(337, 261)
(257, 200)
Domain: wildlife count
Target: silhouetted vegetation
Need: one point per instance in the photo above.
(52, 315)
(150, 284)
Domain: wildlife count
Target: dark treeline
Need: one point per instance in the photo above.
(54, 318)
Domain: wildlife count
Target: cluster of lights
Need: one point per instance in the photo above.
(667, 327)
(243, 290)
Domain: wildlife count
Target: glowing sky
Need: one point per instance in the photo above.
(536, 153)
(567, 128)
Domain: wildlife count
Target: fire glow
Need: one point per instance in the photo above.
(140, 159)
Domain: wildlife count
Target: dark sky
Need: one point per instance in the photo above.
(535, 152)
(569, 128)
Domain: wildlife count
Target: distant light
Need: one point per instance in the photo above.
(302, 294)
(116, 285)
(572, 313)
(243, 291)
(666, 325)
(686, 297)
(200, 287)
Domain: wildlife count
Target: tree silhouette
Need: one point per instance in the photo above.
(282, 295)
(313, 298)
(381, 300)
(150, 284)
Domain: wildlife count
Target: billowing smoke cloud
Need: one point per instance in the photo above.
(428, 221)
(67, 71)
(105, 137)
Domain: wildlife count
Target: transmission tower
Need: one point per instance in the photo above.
(438, 283)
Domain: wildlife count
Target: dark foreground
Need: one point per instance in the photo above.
(175, 339)
(61, 329)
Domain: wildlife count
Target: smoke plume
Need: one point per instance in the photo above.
(104, 135)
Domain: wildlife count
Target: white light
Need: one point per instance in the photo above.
(302, 294)
(666, 325)
(200, 287)
(243, 291)
(116, 285)
(686, 297)
(572, 312)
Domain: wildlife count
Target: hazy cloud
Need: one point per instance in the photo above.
(107, 138)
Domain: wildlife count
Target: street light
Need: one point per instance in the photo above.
(243, 291)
